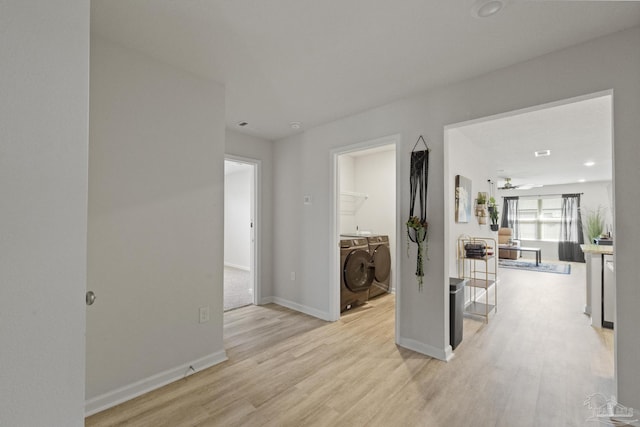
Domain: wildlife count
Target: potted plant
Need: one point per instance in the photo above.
(593, 222)
(494, 219)
(493, 214)
(492, 204)
(481, 208)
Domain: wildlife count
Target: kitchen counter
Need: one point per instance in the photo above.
(597, 249)
(594, 256)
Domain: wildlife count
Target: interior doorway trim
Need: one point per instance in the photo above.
(334, 226)
(256, 220)
(448, 185)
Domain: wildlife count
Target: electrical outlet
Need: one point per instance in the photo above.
(204, 314)
(293, 275)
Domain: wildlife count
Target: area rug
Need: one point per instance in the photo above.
(531, 266)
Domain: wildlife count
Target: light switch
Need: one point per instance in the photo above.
(204, 314)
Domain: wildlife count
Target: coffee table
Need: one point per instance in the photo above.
(537, 251)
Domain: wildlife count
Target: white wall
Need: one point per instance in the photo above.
(375, 175)
(466, 159)
(348, 204)
(294, 231)
(626, 153)
(303, 164)
(155, 244)
(44, 82)
(237, 218)
(372, 175)
(262, 150)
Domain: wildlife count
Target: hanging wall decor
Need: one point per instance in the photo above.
(463, 199)
(417, 226)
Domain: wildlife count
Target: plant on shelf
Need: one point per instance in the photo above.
(494, 219)
(481, 208)
(593, 222)
(493, 213)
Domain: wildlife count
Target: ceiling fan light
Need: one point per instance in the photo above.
(508, 185)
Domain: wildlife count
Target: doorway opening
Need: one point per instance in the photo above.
(240, 226)
(364, 216)
(536, 156)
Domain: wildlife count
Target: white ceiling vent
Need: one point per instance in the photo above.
(542, 153)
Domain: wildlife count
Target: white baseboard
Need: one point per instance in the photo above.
(266, 300)
(323, 315)
(128, 392)
(239, 267)
(438, 353)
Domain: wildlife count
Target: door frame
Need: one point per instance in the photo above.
(255, 257)
(334, 226)
(448, 185)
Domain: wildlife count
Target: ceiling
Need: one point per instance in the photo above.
(370, 151)
(575, 133)
(314, 61)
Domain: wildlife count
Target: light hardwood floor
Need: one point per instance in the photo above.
(533, 364)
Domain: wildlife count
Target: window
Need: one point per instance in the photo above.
(540, 218)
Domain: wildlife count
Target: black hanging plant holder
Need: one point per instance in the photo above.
(417, 226)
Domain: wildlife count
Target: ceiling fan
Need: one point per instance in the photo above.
(508, 185)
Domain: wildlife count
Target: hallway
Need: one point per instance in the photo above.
(533, 364)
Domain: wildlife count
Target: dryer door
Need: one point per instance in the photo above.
(382, 263)
(358, 271)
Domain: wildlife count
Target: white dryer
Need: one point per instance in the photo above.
(381, 257)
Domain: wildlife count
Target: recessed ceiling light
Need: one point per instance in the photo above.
(582, 180)
(486, 8)
(242, 124)
(589, 163)
(542, 153)
(295, 125)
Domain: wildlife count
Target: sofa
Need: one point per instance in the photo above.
(504, 238)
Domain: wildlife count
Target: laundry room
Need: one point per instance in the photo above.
(367, 224)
